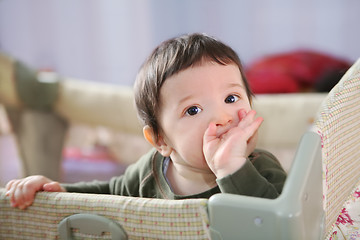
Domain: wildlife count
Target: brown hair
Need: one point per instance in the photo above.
(171, 57)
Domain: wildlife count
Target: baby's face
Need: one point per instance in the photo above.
(193, 98)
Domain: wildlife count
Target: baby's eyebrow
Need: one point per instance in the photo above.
(184, 99)
(231, 85)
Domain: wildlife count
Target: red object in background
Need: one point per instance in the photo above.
(96, 153)
(292, 72)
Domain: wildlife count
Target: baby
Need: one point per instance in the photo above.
(195, 105)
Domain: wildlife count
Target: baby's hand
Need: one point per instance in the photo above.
(226, 153)
(22, 191)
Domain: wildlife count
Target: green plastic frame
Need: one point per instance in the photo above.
(296, 214)
(90, 224)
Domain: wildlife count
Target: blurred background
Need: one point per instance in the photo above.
(106, 41)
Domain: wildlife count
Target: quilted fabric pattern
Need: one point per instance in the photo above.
(338, 124)
(141, 218)
(347, 225)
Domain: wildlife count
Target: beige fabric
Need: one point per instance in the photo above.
(4, 123)
(338, 123)
(8, 95)
(141, 218)
(94, 103)
(347, 224)
(286, 117)
(40, 138)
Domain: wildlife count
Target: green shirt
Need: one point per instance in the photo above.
(261, 176)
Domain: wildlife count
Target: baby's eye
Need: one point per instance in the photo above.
(231, 99)
(193, 110)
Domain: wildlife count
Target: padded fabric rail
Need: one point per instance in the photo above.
(141, 218)
(338, 124)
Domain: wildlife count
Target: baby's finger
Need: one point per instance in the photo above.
(11, 189)
(53, 187)
(28, 194)
(9, 184)
(23, 193)
(17, 197)
(257, 123)
(251, 128)
(247, 118)
(210, 133)
(254, 126)
(241, 114)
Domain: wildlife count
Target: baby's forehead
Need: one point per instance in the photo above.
(203, 72)
(207, 61)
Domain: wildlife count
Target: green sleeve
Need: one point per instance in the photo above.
(98, 187)
(128, 184)
(261, 176)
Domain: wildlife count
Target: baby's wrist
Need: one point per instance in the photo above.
(230, 168)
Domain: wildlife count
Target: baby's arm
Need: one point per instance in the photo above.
(227, 153)
(261, 176)
(22, 191)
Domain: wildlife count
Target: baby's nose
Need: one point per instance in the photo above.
(223, 118)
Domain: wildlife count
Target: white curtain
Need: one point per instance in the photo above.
(107, 40)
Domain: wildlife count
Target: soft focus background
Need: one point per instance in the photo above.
(108, 40)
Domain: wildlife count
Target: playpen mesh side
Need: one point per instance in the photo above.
(141, 218)
(338, 123)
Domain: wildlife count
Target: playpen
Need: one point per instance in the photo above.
(320, 199)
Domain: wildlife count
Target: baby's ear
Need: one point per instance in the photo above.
(158, 142)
